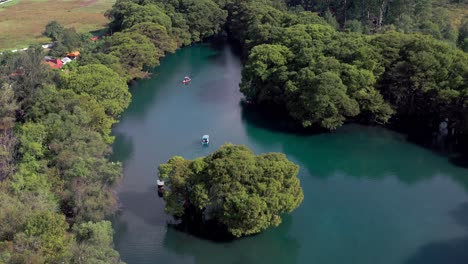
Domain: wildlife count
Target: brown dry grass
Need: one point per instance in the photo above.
(22, 22)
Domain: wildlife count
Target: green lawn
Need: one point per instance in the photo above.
(22, 21)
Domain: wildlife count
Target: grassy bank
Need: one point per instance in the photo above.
(22, 21)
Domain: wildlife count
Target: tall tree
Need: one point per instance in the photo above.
(8, 108)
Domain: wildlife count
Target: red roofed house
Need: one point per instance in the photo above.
(17, 73)
(55, 63)
(73, 55)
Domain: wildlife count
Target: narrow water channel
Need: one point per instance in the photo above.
(370, 196)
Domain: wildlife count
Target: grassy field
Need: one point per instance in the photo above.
(22, 21)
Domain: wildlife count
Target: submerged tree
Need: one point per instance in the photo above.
(246, 193)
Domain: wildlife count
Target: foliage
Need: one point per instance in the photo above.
(322, 77)
(136, 52)
(65, 39)
(424, 78)
(328, 16)
(31, 73)
(95, 244)
(127, 13)
(204, 17)
(245, 192)
(463, 35)
(50, 230)
(158, 35)
(432, 17)
(102, 84)
(54, 30)
(8, 108)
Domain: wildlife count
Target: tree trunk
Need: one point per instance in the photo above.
(381, 14)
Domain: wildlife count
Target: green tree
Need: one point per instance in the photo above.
(13, 216)
(353, 26)
(30, 173)
(204, 18)
(34, 74)
(103, 84)
(54, 30)
(266, 72)
(157, 34)
(331, 20)
(8, 108)
(108, 60)
(95, 244)
(146, 13)
(45, 233)
(50, 100)
(127, 13)
(245, 192)
(320, 99)
(135, 51)
(463, 35)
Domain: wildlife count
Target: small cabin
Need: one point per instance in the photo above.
(66, 60)
(54, 63)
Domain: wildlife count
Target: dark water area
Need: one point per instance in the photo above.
(371, 196)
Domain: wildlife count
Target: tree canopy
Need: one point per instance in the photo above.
(135, 51)
(246, 192)
(103, 84)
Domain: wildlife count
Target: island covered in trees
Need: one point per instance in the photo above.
(323, 63)
(233, 187)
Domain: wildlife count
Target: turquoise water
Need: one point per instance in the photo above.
(370, 196)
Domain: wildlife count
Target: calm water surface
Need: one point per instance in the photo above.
(370, 196)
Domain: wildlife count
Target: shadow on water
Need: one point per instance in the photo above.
(460, 160)
(274, 120)
(453, 251)
(222, 44)
(146, 206)
(272, 246)
(122, 148)
(354, 150)
(210, 230)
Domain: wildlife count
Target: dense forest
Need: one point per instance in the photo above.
(322, 62)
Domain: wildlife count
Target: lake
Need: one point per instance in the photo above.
(370, 195)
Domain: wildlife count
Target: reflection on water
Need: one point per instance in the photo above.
(273, 250)
(448, 251)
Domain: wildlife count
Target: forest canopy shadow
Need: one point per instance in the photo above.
(274, 119)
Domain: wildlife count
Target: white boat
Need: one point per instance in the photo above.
(160, 187)
(186, 80)
(205, 139)
(160, 183)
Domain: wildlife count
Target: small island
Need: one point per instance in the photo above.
(242, 193)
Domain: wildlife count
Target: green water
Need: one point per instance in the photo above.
(370, 196)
